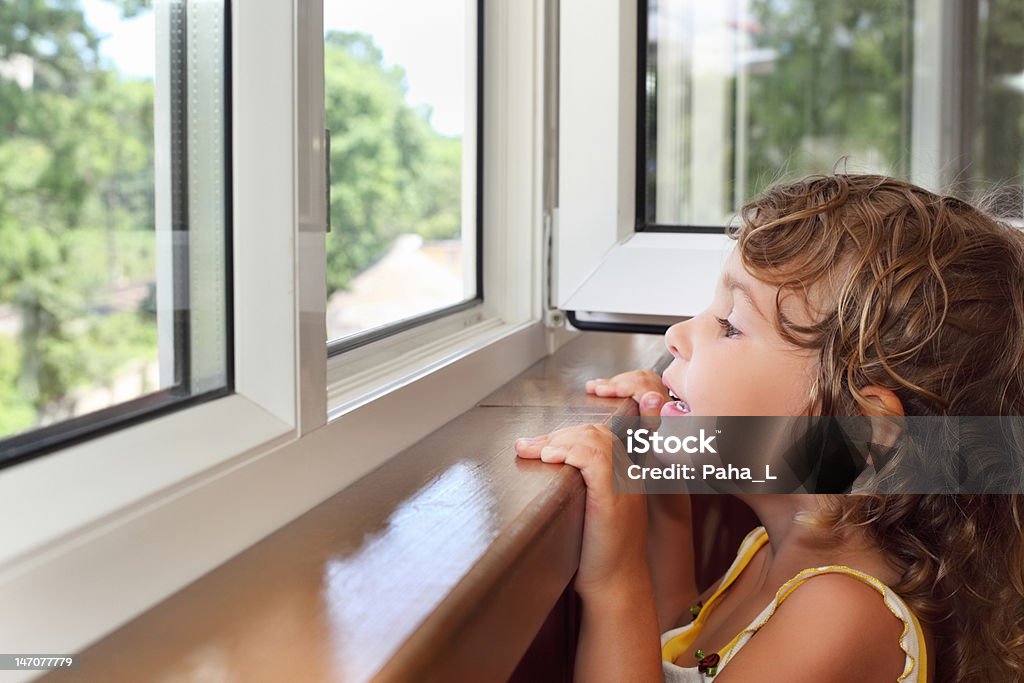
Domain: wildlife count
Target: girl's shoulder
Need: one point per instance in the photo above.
(830, 622)
(835, 623)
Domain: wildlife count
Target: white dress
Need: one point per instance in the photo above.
(676, 642)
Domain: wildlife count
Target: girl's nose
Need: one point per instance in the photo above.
(677, 340)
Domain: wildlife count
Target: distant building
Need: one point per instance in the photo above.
(412, 278)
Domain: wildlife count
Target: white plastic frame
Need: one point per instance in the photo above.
(112, 526)
(604, 267)
(512, 245)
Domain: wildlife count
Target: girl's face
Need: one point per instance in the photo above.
(729, 359)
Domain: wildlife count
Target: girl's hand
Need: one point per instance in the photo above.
(670, 525)
(643, 386)
(614, 552)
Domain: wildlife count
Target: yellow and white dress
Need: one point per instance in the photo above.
(678, 641)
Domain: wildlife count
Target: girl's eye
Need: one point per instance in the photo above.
(730, 331)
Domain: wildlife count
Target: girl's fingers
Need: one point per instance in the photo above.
(602, 387)
(592, 459)
(650, 403)
(553, 454)
(588, 448)
(531, 446)
(634, 384)
(608, 389)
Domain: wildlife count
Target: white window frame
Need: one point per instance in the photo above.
(606, 272)
(609, 274)
(109, 527)
(513, 281)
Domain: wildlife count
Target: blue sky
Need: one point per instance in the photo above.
(425, 38)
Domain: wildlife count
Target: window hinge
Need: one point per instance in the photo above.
(553, 317)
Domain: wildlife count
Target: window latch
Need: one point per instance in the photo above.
(327, 176)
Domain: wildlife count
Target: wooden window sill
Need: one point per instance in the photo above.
(442, 564)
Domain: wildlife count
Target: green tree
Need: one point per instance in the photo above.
(75, 203)
(838, 85)
(999, 142)
(391, 172)
(16, 413)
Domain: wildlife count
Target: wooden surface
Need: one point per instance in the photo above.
(557, 381)
(442, 564)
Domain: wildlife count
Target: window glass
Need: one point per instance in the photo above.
(997, 136)
(400, 90)
(112, 214)
(738, 95)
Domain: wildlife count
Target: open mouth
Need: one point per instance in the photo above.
(676, 406)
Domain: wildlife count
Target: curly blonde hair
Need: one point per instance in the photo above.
(927, 301)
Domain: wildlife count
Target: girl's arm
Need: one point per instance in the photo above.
(670, 520)
(619, 638)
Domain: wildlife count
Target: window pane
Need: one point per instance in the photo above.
(111, 212)
(998, 137)
(738, 95)
(401, 107)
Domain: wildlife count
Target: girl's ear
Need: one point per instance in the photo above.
(886, 424)
(884, 399)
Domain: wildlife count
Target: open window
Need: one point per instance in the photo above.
(674, 116)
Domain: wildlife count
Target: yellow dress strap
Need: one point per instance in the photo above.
(914, 649)
(678, 645)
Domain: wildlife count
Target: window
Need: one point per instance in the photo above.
(402, 105)
(109, 512)
(114, 262)
(993, 158)
(715, 101)
(738, 95)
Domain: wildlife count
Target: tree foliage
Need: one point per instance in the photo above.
(76, 209)
(999, 145)
(391, 172)
(837, 86)
(842, 83)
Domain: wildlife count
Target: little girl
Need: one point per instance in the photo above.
(846, 295)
